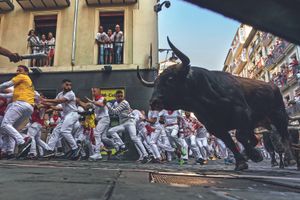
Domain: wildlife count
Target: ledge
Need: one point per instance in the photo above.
(78, 68)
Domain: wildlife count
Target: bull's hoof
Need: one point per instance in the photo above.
(240, 166)
(274, 163)
(255, 155)
(281, 165)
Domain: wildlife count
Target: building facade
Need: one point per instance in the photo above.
(265, 57)
(74, 25)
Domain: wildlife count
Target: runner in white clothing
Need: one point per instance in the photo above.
(64, 129)
(127, 123)
(171, 124)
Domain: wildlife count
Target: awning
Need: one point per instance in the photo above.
(43, 4)
(109, 2)
(6, 5)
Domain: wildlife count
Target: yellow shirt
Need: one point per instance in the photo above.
(23, 89)
(90, 121)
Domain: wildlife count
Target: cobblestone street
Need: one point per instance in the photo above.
(127, 180)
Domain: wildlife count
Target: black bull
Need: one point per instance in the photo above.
(222, 102)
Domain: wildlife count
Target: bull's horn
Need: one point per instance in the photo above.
(144, 82)
(184, 59)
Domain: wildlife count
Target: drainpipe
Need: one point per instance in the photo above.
(74, 34)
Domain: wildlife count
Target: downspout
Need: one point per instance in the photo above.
(74, 34)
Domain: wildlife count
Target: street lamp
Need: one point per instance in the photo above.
(158, 6)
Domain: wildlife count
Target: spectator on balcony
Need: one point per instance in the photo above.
(101, 38)
(109, 47)
(279, 79)
(44, 49)
(284, 76)
(118, 40)
(34, 44)
(51, 45)
(294, 64)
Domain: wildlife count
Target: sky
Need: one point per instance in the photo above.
(204, 36)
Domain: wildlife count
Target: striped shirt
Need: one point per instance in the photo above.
(123, 110)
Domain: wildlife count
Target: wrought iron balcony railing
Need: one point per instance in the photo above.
(278, 53)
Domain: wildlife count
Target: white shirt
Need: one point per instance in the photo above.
(138, 116)
(154, 114)
(101, 111)
(202, 132)
(70, 105)
(51, 43)
(101, 37)
(170, 118)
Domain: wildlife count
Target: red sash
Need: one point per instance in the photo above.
(149, 129)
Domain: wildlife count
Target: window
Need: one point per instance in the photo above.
(42, 39)
(111, 41)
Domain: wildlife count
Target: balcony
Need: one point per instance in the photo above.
(43, 4)
(6, 6)
(266, 38)
(278, 53)
(109, 2)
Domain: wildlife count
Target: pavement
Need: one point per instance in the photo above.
(118, 180)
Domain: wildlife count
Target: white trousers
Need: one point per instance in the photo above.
(172, 133)
(64, 129)
(101, 132)
(222, 148)
(165, 145)
(203, 146)
(15, 115)
(153, 141)
(142, 134)
(191, 141)
(34, 131)
(130, 127)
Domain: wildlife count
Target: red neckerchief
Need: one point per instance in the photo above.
(97, 97)
(170, 112)
(35, 117)
(55, 118)
(149, 129)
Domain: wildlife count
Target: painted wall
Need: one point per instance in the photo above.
(140, 31)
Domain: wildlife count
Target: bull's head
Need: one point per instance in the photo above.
(169, 86)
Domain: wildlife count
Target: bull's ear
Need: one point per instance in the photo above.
(184, 67)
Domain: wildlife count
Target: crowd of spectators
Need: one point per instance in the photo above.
(43, 44)
(287, 72)
(110, 46)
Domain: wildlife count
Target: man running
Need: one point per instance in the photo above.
(21, 107)
(64, 129)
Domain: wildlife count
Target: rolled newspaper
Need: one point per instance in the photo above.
(34, 56)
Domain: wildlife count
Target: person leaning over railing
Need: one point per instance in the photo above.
(118, 44)
(33, 43)
(101, 38)
(44, 49)
(51, 45)
(109, 47)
